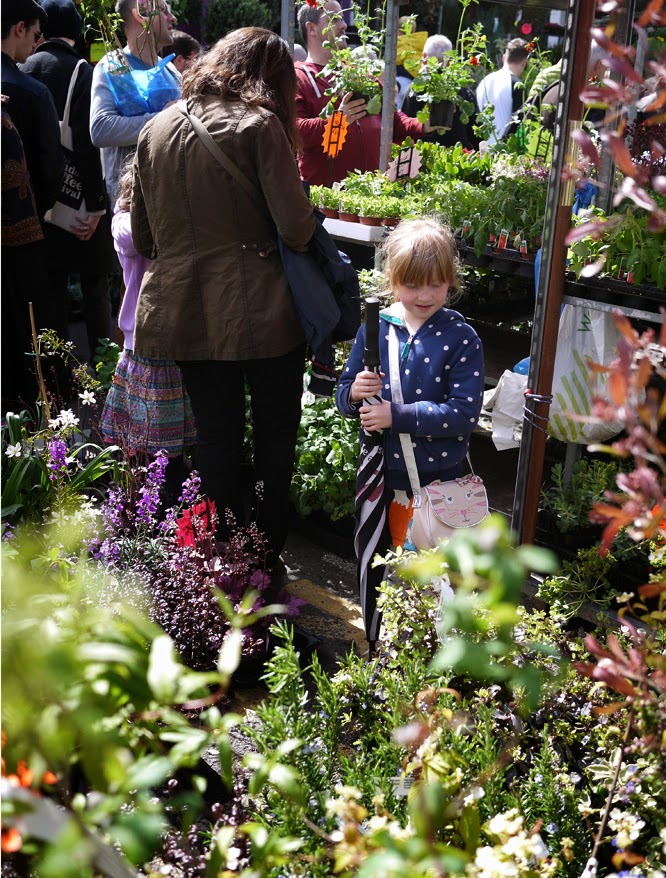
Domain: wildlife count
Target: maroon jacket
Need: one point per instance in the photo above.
(360, 151)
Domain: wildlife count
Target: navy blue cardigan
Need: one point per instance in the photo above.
(441, 372)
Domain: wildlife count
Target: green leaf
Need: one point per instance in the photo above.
(288, 782)
(163, 669)
(470, 828)
(230, 653)
(150, 771)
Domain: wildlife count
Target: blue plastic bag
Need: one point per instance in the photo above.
(136, 92)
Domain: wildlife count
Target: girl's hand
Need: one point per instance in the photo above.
(376, 417)
(365, 385)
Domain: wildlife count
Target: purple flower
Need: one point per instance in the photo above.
(191, 490)
(57, 458)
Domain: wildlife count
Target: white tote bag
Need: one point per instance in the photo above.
(71, 204)
(584, 335)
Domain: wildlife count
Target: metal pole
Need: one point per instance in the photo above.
(580, 17)
(388, 101)
(288, 22)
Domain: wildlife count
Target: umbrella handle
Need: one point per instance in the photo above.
(371, 353)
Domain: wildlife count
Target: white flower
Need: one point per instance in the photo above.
(233, 857)
(13, 450)
(590, 870)
(54, 423)
(505, 825)
(68, 418)
(626, 826)
(87, 397)
(662, 836)
(474, 794)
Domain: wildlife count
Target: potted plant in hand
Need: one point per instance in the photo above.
(356, 70)
(349, 72)
(441, 82)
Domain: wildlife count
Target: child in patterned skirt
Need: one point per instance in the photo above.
(147, 407)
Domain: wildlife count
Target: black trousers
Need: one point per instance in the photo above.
(217, 393)
(96, 305)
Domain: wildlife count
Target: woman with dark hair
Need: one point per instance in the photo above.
(215, 297)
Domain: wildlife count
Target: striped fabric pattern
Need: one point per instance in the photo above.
(147, 407)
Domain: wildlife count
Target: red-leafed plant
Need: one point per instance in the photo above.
(635, 672)
(636, 397)
(644, 179)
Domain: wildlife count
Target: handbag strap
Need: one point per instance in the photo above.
(219, 154)
(70, 92)
(405, 438)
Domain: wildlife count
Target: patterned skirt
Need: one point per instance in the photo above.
(147, 407)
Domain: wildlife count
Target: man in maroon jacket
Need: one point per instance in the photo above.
(360, 151)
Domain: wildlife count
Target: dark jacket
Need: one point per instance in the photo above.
(34, 114)
(53, 64)
(442, 378)
(216, 289)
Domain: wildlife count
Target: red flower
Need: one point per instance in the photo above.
(474, 62)
(530, 47)
(11, 840)
(312, 3)
(203, 513)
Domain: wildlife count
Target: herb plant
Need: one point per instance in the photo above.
(326, 462)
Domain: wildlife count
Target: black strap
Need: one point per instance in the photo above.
(218, 154)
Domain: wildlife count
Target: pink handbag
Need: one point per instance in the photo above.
(445, 507)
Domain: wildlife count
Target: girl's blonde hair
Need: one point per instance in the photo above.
(124, 193)
(420, 252)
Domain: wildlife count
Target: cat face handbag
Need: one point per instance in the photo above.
(446, 507)
(440, 508)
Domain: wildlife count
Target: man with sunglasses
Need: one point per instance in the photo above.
(30, 103)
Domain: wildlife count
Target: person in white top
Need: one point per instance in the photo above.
(500, 88)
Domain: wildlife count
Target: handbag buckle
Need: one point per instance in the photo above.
(416, 503)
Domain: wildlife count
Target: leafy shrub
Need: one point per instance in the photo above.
(222, 17)
(106, 358)
(326, 462)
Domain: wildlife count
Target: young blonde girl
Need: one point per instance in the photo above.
(147, 407)
(441, 367)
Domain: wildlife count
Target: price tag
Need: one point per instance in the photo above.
(406, 164)
(401, 785)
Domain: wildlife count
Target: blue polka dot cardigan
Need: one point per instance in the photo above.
(441, 371)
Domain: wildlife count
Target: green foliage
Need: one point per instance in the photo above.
(30, 486)
(222, 17)
(570, 500)
(583, 580)
(439, 81)
(107, 354)
(326, 462)
(88, 694)
(628, 246)
(478, 194)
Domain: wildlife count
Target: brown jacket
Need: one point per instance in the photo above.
(216, 289)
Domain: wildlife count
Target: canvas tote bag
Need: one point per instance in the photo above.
(71, 204)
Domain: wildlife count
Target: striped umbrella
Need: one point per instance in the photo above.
(372, 534)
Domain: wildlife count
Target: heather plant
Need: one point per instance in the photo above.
(198, 587)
